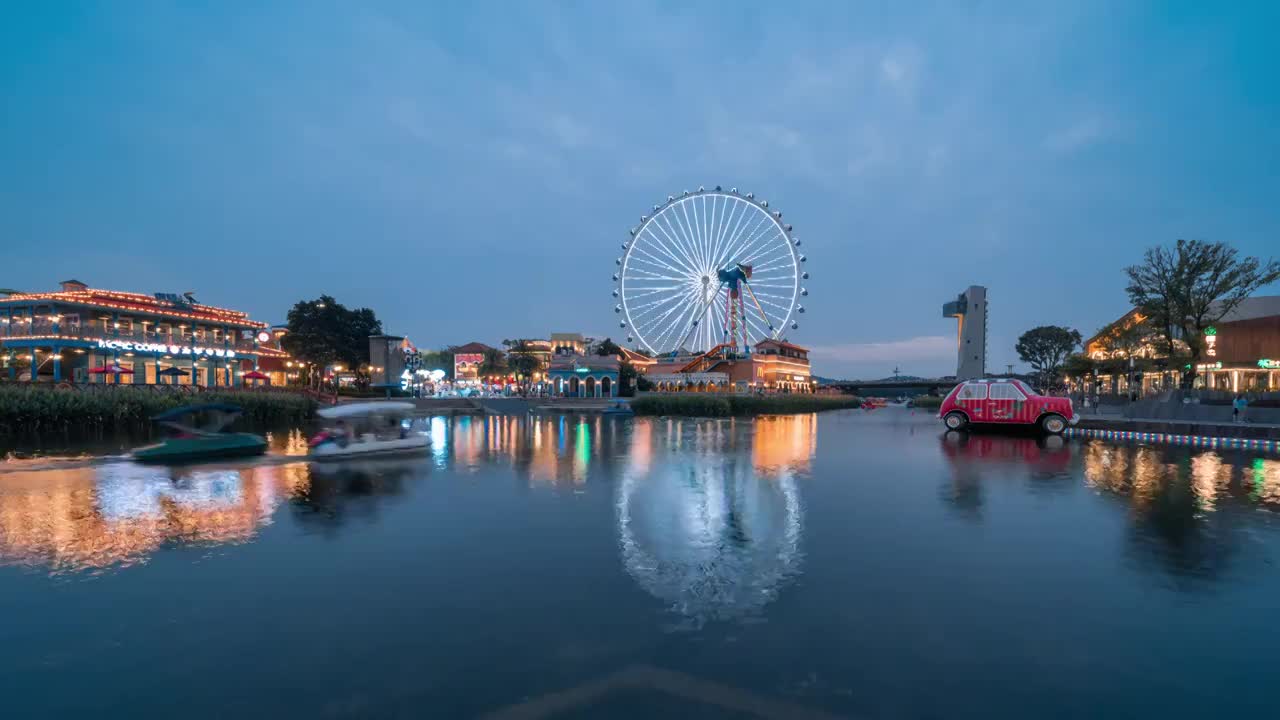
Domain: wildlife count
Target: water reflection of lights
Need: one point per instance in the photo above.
(716, 541)
(784, 441)
(125, 490)
(439, 432)
(117, 514)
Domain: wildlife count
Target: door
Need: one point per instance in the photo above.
(1006, 404)
(972, 398)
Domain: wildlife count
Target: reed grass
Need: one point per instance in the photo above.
(26, 408)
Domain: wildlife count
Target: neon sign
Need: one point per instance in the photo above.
(1269, 364)
(168, 349)
(1210, 341)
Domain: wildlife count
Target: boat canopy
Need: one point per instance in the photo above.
(182, 412)
(367, 409)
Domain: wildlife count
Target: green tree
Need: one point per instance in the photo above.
(1079, 365)
(522, 358)
(437, 360)
(325, 332)
(494, 363)
(1045, 348)
(608, 347)
(628, 378)
(1186, 289)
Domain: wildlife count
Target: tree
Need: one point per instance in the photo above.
(608, 347)
(522, 358)
(1079, 365)
(1189, 288)
(1045, 348)
(437, 360)
(494, 363)
(628, 378)
(325, 332)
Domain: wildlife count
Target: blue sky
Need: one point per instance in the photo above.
(468, 169)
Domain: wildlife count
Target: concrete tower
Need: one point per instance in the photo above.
(970, 311)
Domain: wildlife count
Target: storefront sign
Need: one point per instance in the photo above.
(166, 349)
(1211, 341)
(466, 366)
(1269, 364)
(1209, 366)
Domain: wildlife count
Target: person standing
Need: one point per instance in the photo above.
(1238, 407)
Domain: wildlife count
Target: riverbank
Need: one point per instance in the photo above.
(26, 408)
(712, 405)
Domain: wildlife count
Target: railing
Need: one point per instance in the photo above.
(44, 328)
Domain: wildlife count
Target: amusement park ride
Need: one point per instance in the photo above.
(711, 272)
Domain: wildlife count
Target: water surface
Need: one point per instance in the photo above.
(847, 565)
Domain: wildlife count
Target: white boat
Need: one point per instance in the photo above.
(366, 430)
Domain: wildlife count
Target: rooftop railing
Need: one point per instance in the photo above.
(47, 329)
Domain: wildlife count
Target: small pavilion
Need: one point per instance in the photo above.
(584, 376)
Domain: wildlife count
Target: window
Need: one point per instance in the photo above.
(1006, 391)
(973, 391)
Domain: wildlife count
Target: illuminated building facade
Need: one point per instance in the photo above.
(584, 376)
(569, 343)
(1241, 352)
(87, 335)
(773, 366)
(467, 361)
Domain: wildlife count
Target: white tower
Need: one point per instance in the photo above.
(970, 312)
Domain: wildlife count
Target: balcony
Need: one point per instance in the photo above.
(955, 308)
(45, 329)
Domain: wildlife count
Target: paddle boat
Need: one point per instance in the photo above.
(199, 432)
(371, 429)
(618, 407)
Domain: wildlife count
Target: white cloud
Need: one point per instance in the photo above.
(1078, 135)
(901, 68)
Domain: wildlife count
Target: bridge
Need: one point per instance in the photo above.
(894, 388)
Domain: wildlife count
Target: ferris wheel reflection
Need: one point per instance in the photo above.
(715, 534)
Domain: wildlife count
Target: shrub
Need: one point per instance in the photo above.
(927, 402)
(41, 408)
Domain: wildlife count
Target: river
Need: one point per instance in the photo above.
(849, 564)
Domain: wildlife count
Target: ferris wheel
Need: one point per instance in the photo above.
(708, 269)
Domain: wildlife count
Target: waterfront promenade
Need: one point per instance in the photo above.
(1176, 418)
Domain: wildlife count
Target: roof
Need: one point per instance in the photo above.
(471, 347)
(1120, 322)
(367, 408)
(138, 303)
(634, 357)
(782, 343)
(1253, 308)
(591, 362)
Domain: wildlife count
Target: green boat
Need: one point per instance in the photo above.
(190, 439)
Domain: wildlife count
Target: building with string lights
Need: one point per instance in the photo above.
(80, 334)
(773, 366)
